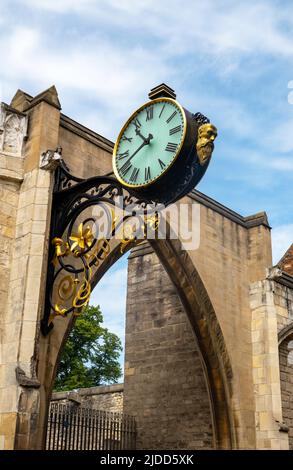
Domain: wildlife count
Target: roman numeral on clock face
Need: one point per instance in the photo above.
(149, 113)
(162, 110)
(136, 123)
(171, 117)
(174, 130)
(147, 173)
(134, 174)
(162, 164)
(125, 168)
(123, 155)
(171, 147)
(129, 139)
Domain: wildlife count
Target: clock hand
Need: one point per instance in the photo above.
(137, 131)
(149, 138)
(145, 142)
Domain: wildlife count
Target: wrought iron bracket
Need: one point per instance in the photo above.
(71, 197)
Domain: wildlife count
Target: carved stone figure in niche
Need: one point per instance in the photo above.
(14, 129)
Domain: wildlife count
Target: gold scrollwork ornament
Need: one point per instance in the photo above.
(100, 252)
(58, 311)
(83, 295)
(66, 288)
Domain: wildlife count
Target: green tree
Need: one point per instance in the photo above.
(91, 354)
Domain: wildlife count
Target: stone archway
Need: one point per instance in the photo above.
(198, 307)
(235, 251)
(78, 259)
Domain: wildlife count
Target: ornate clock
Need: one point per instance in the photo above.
(161, 153)
(157, 153)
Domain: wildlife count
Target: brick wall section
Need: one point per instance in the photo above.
(164, 382)
(286, 263)
(107, 398)
(286, 371)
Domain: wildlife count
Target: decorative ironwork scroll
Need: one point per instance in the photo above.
(90, 220)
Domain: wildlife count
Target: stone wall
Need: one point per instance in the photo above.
(106, 398)
(77, 140)
(12, 135)
(286, 370)
(283, 299)
(165, 387)
(271, 305)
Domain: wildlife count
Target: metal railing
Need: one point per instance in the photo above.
(72, 427)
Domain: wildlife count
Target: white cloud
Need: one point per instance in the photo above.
(62, 6)
(282, 136)
(282, 164)
(282, 238)
(74, 67)
(113, 73)
(211, 27)
(290, 92)
(105, 73)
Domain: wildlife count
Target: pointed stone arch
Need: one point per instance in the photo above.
(207, 331)
(70, 232)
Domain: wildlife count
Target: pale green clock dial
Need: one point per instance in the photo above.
(149, 142)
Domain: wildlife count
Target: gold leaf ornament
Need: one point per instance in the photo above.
(83, 239)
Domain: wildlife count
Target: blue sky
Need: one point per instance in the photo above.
(110, 294)
(231, 60)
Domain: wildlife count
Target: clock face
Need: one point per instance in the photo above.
(149, 142)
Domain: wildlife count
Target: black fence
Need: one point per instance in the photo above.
(72, 427)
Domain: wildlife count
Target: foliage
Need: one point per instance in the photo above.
(91, 354)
